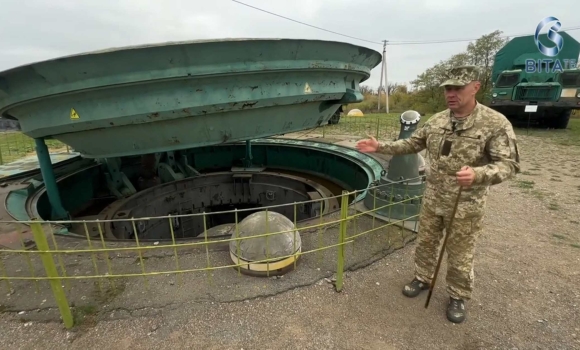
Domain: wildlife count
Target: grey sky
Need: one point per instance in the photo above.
(36, 30)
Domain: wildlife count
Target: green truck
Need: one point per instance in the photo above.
(521, 76)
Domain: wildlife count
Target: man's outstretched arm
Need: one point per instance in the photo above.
(414, 144)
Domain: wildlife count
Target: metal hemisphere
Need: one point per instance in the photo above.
(410, 117)
(269, 254)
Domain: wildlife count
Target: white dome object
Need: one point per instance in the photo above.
(355, 113)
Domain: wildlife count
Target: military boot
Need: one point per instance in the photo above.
(415, 288)
(456, 310)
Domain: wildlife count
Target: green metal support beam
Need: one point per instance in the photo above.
(58, 211)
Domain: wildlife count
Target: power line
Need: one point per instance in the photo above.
(463, 40)
(391, 42)
(306, 24)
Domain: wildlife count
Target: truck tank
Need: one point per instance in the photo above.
(554, 89)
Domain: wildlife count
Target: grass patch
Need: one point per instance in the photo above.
(567, 137)
(559, 236)
(528, 173)
(575, 245)
(538, 194)
(526, 184)
(15, 145)
(553, 206)
(85, 315)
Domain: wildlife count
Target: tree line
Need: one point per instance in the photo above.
(423, 94)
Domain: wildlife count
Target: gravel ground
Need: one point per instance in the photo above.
(526, 265)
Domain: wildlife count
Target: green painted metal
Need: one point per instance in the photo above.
(175, 96)
(397, 195)
(346, 167)
(514, 54)
(553, 90)
(58, 212)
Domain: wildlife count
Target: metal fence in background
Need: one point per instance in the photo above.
(14, 145)
(384, 127)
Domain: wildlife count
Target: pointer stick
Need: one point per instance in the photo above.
(448, 231)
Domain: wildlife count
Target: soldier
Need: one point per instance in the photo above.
(468, 145)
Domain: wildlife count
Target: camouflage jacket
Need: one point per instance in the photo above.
(485, 141)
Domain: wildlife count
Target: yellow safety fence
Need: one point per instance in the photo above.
(62, 259)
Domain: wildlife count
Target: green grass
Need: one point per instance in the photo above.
(566, 137)
(388, 125)
(15, 145)
(525, 184)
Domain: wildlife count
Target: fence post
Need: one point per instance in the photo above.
(341, 240)
(50, 267)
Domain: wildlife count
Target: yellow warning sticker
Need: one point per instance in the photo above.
(74, 114)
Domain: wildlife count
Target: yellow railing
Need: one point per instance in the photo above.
(50, 258)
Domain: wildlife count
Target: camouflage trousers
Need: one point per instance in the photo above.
(460, 251)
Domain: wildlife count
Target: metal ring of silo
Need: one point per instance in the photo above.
(369, 168)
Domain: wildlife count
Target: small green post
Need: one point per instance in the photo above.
(50, 267)
(58, 211)
(341, 240)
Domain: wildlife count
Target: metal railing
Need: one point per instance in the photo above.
(45, 259)
(386, 127)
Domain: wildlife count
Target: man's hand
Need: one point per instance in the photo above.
(465, 176)
(369, 145)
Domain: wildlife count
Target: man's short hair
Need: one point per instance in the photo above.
(462, 75)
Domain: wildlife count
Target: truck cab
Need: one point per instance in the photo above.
(522, 76)
(555, 94)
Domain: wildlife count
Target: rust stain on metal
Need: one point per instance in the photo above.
(226, 136)
(249, 104)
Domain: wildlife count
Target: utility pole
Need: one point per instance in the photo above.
(384, 71)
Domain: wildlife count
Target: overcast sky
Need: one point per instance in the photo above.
(34, 30)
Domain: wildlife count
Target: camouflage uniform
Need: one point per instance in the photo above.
(486, 142)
